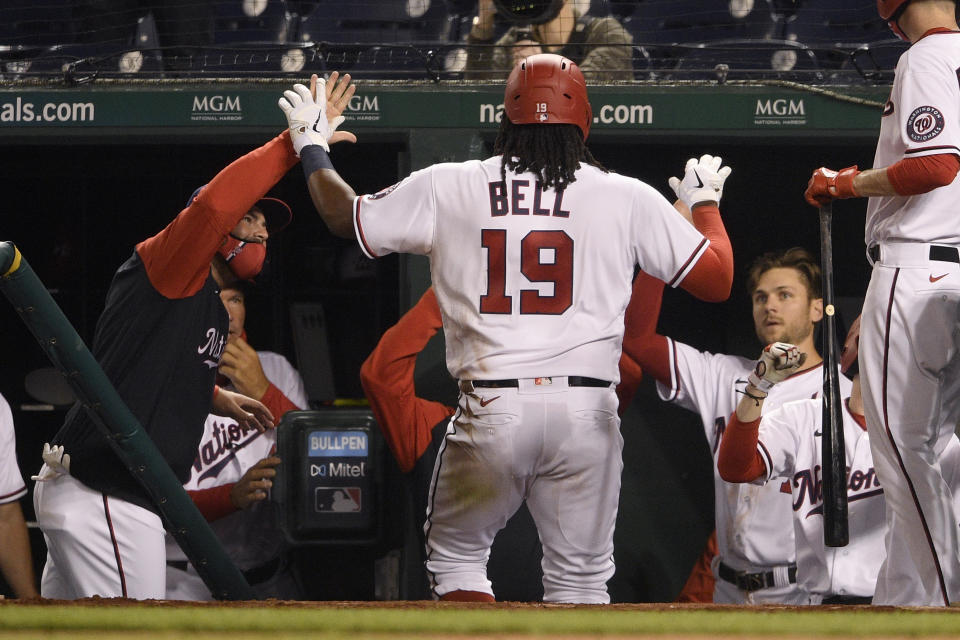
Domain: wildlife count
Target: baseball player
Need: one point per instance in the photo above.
(910, 331)
(755, 561)
(231, 475)
(159, 340)
(785, 444)
(531, 255)
(414, 427)
(16, 563)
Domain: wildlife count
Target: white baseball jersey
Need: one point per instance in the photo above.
(532, 285)
(12, 487)
(507, 260)
(754, 523)
(921, 118)
(790, 444)
(910, 332)
(226, 451)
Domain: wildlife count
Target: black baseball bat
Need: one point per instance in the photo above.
(833, 464)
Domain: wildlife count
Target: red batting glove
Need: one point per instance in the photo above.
(826, 185)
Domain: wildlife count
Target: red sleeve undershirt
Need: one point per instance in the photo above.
(387, 377)
(712, 276)
(278, 403)
(213, 503)
(641, 342)
(739, 460)
(178, 258)
(913, 176)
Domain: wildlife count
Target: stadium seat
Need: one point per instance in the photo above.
(724, 60)
(263, 21)
(834, 29)
(375, 22)
(876, 61)
(685, 21)
(35, 23)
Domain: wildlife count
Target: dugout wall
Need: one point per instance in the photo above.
(88, 171)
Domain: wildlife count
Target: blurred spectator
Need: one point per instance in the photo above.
(600, 46)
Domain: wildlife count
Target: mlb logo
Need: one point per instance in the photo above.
(542, 381)
(543, 117)
(337, 499)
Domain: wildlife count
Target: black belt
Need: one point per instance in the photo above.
(938, 252)
(572, 381)
(848, 600)
(753, 581)
(254, 576)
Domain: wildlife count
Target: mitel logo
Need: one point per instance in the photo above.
(365, 108)
(779, 111)
(216, 108)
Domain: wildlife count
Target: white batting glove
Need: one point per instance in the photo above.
(57, 463)
(702, 181)
(307, 117)
(777, 362)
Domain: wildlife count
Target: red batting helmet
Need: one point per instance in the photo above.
(849, 360)
(889, 7)
(548, 89)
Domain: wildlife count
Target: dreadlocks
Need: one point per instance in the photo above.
(552, 151)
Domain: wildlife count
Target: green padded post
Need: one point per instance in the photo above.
(67, 351)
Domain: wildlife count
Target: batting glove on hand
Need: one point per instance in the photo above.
(826, 185)
(702, 181)
(57, 463)
(778, 362)
(307, 116)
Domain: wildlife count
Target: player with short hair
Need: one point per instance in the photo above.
(756, 558)
(786, 443)
(910, 332)
(159, 340)
(531, 255)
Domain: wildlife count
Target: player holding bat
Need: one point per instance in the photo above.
(910, 347)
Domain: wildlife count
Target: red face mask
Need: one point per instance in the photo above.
(245, 259)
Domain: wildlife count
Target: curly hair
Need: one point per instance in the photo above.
(551, 151)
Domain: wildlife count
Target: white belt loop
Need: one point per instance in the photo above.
(781, 576)
(906, 254)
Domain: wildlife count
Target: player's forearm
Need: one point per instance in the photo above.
(16, 562)
(641, 342)
(333, 199)
(712, 277)
(873, 182)
(738, 459)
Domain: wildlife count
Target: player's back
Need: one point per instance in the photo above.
(534, 282)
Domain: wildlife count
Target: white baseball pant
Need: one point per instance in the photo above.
(557, 447)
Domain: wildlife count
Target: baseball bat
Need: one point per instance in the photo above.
(833, 464)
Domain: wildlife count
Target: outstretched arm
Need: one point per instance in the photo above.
(313, 120)
(700, 191)
(387, 377)
(908, 177)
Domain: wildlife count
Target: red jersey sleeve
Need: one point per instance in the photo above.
(277, 402)
(178, 258)
(913, 176)
(641, 342)
(739, 460)
(387, 378)
(213, 503)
